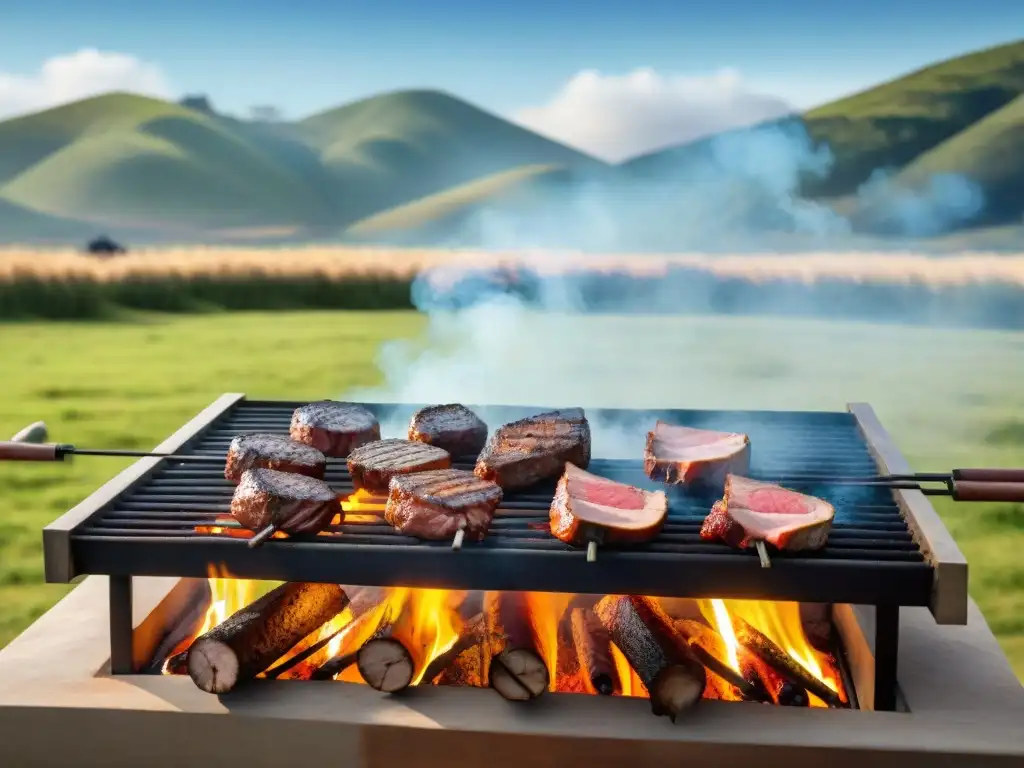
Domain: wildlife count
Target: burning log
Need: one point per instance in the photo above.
(593, 646)
(517, 671)
(252, 639)
(776, 658)
(473, 632)
(364, 607)
(655, 651)
(790, 695)
(386, 664)
(705, 643)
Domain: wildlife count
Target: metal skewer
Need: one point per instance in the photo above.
(762, 554)
(460, 535)
(11, 450)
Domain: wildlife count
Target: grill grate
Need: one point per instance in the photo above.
(871, 556)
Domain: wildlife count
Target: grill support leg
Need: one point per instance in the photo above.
(121, 661)
(887, 645)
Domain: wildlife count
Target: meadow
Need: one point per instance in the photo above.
(950, 398)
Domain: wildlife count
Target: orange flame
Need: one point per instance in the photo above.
(227, 596)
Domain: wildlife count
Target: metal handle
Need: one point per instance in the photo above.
(969, 490)
(992, 475)
(16, 451)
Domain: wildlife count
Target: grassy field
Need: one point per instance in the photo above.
(951, 398)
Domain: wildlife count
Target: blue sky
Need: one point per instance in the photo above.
(304, 55)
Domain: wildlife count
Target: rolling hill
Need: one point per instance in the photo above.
(419, 166)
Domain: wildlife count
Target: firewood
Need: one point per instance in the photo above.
(252, 639)
(707, 646)
(472, 633)
(593, 646)
(776, 658)
(516, 669)
(176, 664)
(659, 656)
(386, 664)
(334, 666)
(364, 607)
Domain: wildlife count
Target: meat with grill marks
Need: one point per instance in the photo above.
(437, 504)
(527, 451)
(373, 465)
(334, 428)
(452, 427)
(272, 451)
(695, 457)
(292, 503)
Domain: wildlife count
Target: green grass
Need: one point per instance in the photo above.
(950, 398)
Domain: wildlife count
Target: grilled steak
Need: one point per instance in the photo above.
(524, 452)
(434, 505)
(590, 508)
(453, 427)
(697, 457)
(373, 465)
(291, 503)
(272, 452)
(334, 428)
(753, 511)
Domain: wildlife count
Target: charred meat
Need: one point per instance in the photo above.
(373, 465)
(754, 511)
(698, 457)
(292, 503)
(269, 451)
(587, 508)
(452, 427)
(334, 428)
(536, 448)
(436, 504)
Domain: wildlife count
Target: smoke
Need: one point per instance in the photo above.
(514, 336)
(943, 203)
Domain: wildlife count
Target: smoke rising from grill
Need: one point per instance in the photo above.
(526, 334)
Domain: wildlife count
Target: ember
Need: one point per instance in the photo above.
(455, 637)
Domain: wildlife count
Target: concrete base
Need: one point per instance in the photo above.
(58, 707)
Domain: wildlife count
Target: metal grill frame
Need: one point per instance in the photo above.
(938, 580)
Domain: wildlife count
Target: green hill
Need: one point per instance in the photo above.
(895, 124)
(396, 148)
(989, 152)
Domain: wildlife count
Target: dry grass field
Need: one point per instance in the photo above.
(338, 263)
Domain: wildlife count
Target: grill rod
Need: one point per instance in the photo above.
(17, 451)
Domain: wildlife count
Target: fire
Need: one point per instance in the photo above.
(227, 596)
(428, 622)
(363, 502)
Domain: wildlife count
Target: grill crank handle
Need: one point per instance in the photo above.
(972, 490)
(11, 450)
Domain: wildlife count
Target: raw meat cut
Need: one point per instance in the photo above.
(699, 457)
(453, 427)
(272, 451)
(292, 503)
(588, 508)
(536, 448)
(753, 511)
(373, 465)
(436, 504)
(334, 428)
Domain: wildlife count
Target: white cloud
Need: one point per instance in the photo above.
(619, 116)
(78, 75)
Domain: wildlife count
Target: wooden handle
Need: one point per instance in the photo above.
(15, 451)
(976, 491)
(990, 475)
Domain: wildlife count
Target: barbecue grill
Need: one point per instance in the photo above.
(887, 548)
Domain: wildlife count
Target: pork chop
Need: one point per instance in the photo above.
(272, 451)
(373, 465)
(754, 511)
(452, 427)
(334, 428)
(436, 504)
(292, 503)
(587, 508)
(527, 451)
(694, 457)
